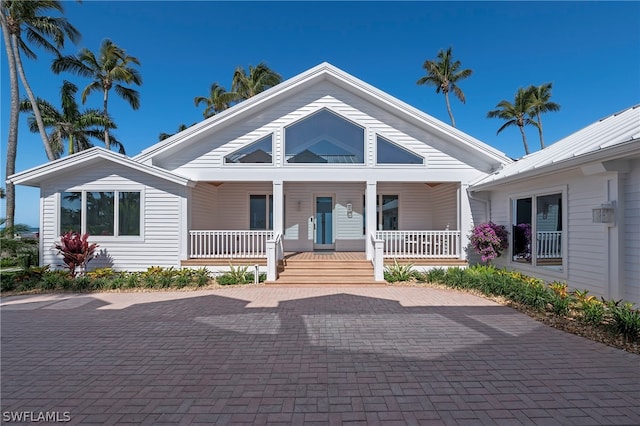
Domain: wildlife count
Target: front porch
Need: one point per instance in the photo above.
(423, 249)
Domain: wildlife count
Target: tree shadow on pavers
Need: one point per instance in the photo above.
(339, 357)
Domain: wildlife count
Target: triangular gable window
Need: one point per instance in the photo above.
(259, 152)
(324, 137)
(390, 153)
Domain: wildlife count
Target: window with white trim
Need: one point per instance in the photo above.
(388, 152)
(537, 235)
(100, 213)
(261, 212)
(259, 152)
(324, 137)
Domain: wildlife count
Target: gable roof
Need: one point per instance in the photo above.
(36, 175)
(325, 72)
(615, 136)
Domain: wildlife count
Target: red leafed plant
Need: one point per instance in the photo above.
(76, 250)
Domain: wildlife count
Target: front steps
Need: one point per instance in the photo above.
(326, 273)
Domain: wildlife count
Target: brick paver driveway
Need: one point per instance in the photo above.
(260, 355)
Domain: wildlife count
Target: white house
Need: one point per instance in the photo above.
(322, 161)
(573, 208)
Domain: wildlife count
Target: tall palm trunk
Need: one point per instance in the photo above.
(12, 141)
(540, 130)
(36, 110)
(446, 98)
(107, 140)
(524, 138)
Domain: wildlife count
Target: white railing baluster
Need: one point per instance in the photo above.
(228, 244)
(420, 244)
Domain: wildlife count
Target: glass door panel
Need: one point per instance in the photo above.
(323, 237)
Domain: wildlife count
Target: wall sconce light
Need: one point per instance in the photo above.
(603, 214)
(299, 205)
(349, 209)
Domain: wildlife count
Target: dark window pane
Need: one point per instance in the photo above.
(521, 232)
(70, 212)
(390, 153)
(100, 213)
(258, 212)
(388, 212)
(129, 213)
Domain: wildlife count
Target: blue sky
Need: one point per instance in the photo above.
(590, 51)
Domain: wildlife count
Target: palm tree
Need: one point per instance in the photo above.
(69, 124)
(162, 136)
(218, 100)
(18, 18)
(259, 79)
(112, 67)
(540, 96)
(444, 74)
(516, 114)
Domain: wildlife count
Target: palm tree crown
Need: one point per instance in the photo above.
(540, 103)
(217, 101)
(444, 74)
(69, 124)
(516, 114)
(259, 79)
(28, 18)
(108, 70)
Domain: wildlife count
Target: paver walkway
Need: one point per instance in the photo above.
(390, 355)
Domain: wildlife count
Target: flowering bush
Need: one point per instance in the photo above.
(489, 240)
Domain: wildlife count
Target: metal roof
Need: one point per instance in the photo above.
(613, 131)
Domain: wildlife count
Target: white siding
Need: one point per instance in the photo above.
(204, 199)
(444, 205)
(161, 240)
(631, 250)
(586, 259)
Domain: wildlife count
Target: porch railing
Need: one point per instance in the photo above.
(420, 244)
(224, 244)
(549, 244)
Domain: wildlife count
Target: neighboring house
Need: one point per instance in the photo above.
(573, 209)
(322, 161)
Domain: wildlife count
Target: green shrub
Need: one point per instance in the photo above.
(397, 272)
(626, 320)
(592, 311)
(7, 262)
(202, 276)
(455, 277)
(52, 280)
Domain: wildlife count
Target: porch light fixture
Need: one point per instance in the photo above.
(603, 214)
(299, 205)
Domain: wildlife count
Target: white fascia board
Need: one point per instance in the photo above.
(35, 175)
(624, 150)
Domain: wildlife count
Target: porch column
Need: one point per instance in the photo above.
(371, 215)
(278, 207)
(464, 218)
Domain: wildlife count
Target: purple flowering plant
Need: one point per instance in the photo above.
(489, 240)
